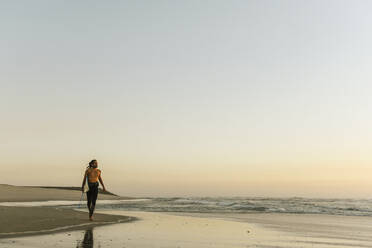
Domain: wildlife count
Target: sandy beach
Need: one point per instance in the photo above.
(22, 221)
(45, 226)
(199, 230)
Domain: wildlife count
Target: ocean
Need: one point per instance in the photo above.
(295, 205)
(347, 207)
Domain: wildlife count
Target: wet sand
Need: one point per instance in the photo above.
(307, 230)
(61, 227)
(204, 230)
(151, 230)
(21, 221)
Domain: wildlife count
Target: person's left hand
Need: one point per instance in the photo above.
(104, 189)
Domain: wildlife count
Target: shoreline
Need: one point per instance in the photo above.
(41, 226)
(30, 221)
(164, 229)
(189, 230)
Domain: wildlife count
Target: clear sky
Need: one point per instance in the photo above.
(189, 98)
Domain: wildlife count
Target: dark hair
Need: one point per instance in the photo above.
(91, 163)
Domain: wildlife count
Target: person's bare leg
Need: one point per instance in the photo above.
(91, 211)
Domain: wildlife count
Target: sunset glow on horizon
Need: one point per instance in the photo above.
(189, 98)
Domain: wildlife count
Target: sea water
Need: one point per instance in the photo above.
(350, 207)
(347, 207)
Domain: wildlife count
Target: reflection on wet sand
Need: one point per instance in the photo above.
(87, 242)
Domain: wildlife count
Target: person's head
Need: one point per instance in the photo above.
(93, 163)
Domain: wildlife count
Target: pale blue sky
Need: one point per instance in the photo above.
(189, 97)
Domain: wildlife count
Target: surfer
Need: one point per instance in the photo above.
(93, 175)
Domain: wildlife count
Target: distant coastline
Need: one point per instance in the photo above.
(12, 193)
(100, 191)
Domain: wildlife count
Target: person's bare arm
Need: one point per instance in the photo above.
(84, 180)
(101, 181)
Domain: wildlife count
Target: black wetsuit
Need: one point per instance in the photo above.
(92, 196)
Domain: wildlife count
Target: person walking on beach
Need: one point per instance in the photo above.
(93, 175)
